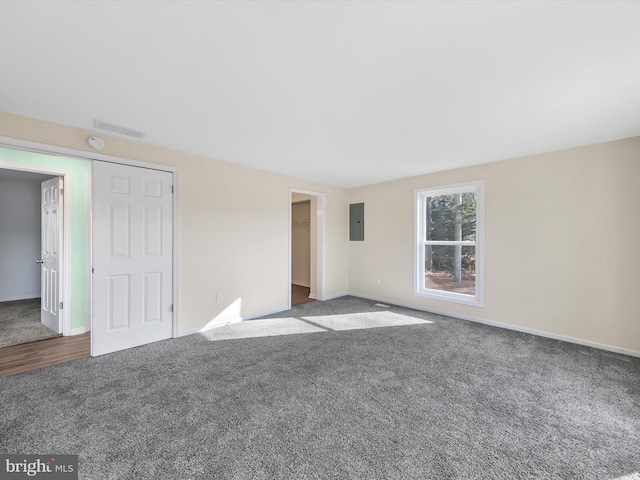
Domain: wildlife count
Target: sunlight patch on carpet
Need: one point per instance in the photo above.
(271, 327)
(261, 328)
(356, 321)
(631, 476)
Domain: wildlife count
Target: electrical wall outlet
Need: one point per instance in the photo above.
(218, 297)
(378, 282)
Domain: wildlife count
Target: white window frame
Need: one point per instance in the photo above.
(420, 243)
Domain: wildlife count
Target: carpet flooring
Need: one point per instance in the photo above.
(427, 397)
(20, 323)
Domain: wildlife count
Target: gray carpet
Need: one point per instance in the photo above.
(20, 323)
(435, 398)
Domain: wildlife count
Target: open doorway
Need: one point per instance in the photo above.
(301, 246)
(306, 247)
(30, 235)
(74, 167)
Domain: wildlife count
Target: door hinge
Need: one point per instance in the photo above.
(171, 308)
(171, 188)
(92, 270)
(62, 191)
(61, 305)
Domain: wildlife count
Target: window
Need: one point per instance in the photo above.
(449, 243)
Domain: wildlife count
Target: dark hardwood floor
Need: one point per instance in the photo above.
(300, 295)
(45, 353)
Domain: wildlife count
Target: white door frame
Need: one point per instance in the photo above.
(65, 251)
(320, 215)
(49, 149)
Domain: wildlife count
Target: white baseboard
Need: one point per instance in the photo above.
(269, 312)
(313, 296)
(531, 331)
(338, 295)
(212, 325)
(78, 331)
(21, 297)
(301, 284)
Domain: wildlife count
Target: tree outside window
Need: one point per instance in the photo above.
(448, 244)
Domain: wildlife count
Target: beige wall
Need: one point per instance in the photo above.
(562, 234)
(233, 226)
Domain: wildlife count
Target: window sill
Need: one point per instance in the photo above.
(451, 297)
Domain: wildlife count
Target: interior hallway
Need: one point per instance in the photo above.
(300, 295)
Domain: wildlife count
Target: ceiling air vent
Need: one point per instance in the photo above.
(110, 127)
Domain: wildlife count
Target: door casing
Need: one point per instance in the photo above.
(320, 216)
(66, 247)
(48, 149)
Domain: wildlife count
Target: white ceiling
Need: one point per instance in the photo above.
(346, 93)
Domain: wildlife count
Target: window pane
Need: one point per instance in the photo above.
(450, 268)
(451, 217)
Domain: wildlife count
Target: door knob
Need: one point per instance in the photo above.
(39, 261)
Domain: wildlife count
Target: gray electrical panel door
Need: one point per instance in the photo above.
(356, 222)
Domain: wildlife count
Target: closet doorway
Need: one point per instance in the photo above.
(31, 234)
(306, 247)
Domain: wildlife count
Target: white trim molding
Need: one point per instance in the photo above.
(214, 325)
(320, 215)
(67, 214)
(531, 331)
(79, 331)
(49, 149)
(421, 242)
(338, 295)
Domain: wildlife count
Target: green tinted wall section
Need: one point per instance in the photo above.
(81, 170)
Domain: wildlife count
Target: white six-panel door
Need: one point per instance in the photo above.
(132, 257)
(50, 259)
